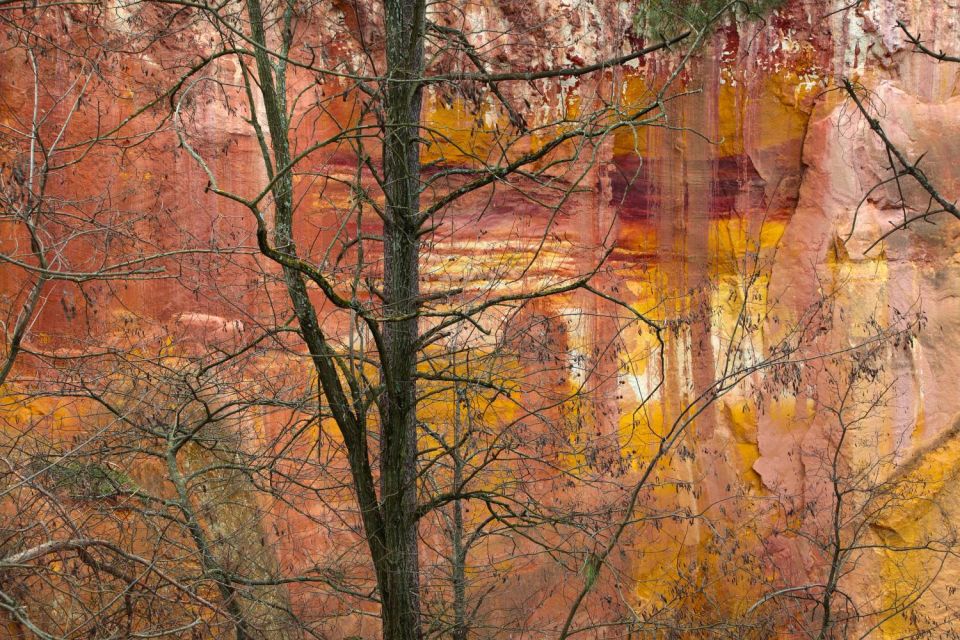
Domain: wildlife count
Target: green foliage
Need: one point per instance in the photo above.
(87, 480)
(664, 19)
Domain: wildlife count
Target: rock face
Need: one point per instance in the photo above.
(812, 371)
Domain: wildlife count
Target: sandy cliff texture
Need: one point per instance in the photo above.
(741, 223)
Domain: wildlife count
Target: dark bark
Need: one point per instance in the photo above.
(460, 628)
(401, 168)
(374, 516)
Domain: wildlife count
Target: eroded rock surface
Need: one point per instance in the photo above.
(756, 207)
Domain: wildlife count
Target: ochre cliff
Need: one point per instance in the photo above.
(743, 223)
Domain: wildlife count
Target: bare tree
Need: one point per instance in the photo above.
(421, 403)
(849, 519)
(388, 309)
(917, 196)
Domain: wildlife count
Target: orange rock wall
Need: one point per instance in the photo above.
(741, 207)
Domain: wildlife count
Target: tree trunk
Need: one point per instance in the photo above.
(400, 593)
(456, 535)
